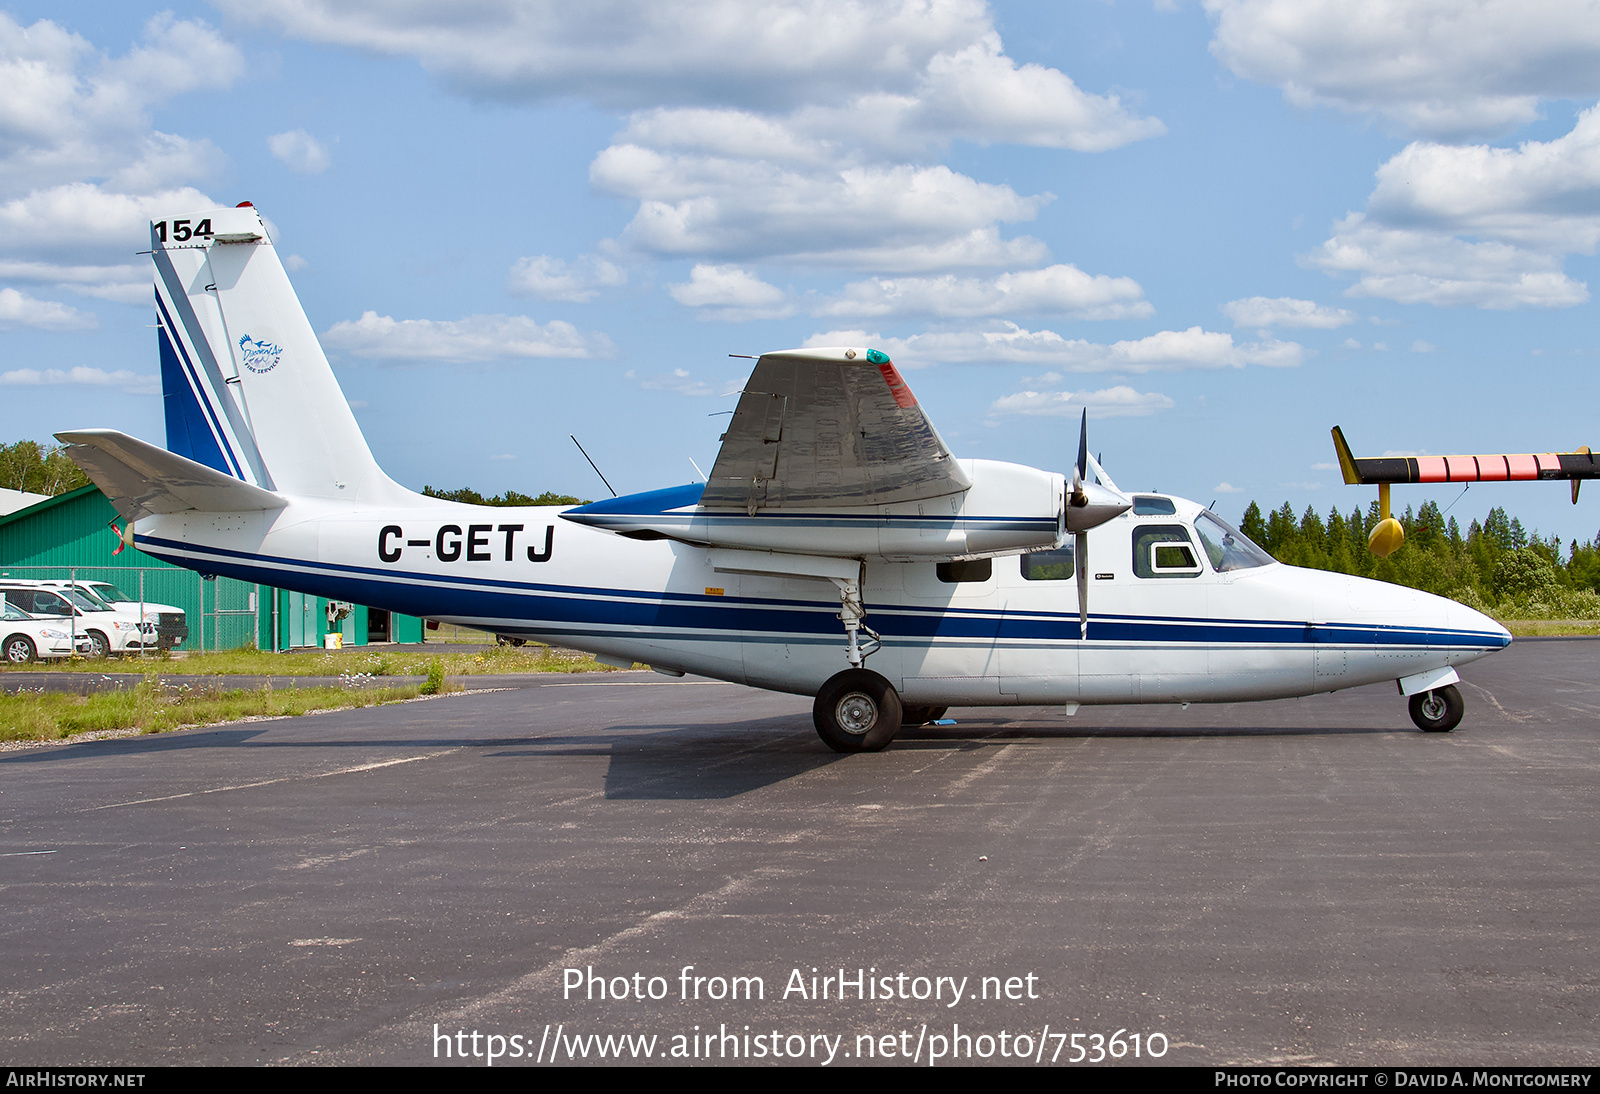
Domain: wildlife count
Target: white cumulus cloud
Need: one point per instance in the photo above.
(935, 68)
(69, 113)
(1112, 402)
(896, 216)
(131, 382)
(20, 310)
(1055, 290)
(796, 130)
(300, 152)
(731, 293)
(1285, 311)
(1442, 68)
(678, 381)
(1428, 266)
(475, 338)
(553, 278)
(1475, 225)
(1008, 343)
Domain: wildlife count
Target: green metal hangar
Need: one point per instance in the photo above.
(71, 536)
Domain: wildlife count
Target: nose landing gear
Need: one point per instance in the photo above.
(1439, 710)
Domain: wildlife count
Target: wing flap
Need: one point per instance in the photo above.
(141, 479)
(829, 427)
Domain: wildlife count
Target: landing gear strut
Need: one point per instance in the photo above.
(857, 711)
(1439, 710)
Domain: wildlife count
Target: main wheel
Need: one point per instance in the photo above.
(1439, 710)
(19, 649)
(857, 711)
(920, 716)
(100, 645)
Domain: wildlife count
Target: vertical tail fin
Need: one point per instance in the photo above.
(247, 387)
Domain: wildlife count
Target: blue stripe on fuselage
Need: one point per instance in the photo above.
(543, 607)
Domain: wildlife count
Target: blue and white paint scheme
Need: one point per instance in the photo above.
(838, 549)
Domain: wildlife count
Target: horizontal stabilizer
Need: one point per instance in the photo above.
(1531, 466)
(141, 479)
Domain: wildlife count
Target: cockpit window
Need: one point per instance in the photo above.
(1048, 565)
(1146, 506)
(1164, 550)
(1226, 546)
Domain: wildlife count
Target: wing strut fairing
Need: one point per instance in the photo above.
(1385, 470)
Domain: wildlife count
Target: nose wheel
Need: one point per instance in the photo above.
(1439, 710)
(857, 711)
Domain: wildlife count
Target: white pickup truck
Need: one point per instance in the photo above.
(172, 626)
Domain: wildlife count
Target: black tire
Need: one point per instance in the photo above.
(19, 649)
(920, 716)
(100, 645)
(857, 711)
(510, 640)
(1439, 710)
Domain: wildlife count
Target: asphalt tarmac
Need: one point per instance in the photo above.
(1299, 882)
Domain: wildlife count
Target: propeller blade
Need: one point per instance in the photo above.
(1080, 558)
(1080, 470)
(1083, 445)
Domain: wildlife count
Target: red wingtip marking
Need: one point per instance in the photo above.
(897, 387)
(245, 205)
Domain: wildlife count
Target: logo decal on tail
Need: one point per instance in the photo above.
(259, 356)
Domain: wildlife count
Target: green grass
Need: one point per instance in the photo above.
(1522, 628)
(354, 661)
(154, 707)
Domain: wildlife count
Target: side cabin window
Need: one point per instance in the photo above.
(978, 569)
(1146, 506)
(1164, 550)
(1048, 565)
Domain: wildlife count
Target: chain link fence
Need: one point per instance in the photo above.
(217, 614)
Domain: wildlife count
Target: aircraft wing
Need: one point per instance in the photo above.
(1530, 466)
(829, 427)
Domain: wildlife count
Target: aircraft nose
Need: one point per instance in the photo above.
(1470, 619)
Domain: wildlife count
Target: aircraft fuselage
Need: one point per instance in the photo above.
(1198, 635)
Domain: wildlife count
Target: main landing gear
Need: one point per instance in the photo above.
(857, 711)
(1439, 710)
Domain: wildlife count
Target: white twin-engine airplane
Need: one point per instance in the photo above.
(838, 549)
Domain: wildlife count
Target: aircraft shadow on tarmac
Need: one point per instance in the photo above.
(690, 762)
(687, 761)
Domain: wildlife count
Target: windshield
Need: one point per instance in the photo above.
(108, 592)
(85, 599)
(1226, 546)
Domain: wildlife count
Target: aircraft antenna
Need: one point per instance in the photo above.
(597, 471)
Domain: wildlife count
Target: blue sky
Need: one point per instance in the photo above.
(1222, 227)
